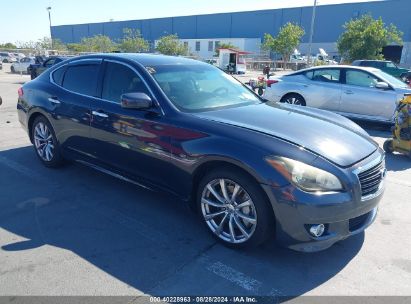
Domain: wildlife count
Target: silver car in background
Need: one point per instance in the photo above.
(355, 92)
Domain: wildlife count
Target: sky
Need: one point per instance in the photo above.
(28, 20)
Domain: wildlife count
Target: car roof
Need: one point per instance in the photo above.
(369, 60)
(146, 59)
(368, 69)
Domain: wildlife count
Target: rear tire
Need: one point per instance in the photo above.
(239, 216)
(45, 143)
(12, 70)
(293, 98)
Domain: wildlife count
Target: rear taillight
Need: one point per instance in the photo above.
(270, 82)
(20, 92)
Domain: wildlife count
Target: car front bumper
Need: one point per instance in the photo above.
(344, 214)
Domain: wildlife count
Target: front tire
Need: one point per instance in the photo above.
(234, 208)
(45, 143)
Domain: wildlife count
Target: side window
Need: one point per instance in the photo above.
(58, 75)
(325, 75)
(81, 79)
(378, 65)
(391, 65)
(210, 46)
(360, 78)
(49, 62)
(309, 74)
(120, 79)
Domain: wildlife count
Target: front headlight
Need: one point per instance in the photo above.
(304, 176)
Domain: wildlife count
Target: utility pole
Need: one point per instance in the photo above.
(51, 36)
(311, 33)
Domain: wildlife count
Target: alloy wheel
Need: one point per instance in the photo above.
(43, 140)
(228, 211)
(294, 100)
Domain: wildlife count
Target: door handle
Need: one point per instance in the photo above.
(99, 114)
(349, 92)
(54, 100)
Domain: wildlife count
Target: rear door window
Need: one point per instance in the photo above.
(81, 79)
(58, 75)
(325, 75)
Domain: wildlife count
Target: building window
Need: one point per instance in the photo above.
(217, 45)
(198, 46)
(186, 45)
(210, 46)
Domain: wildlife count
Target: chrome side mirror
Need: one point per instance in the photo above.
(382, 86)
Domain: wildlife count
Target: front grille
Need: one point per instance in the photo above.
(371, 179)
(358, 222)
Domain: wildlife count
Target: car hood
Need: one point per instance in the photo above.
(324, 133)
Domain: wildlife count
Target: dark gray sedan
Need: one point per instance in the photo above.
(185, 127)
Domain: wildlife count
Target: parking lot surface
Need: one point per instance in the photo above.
(75, 231)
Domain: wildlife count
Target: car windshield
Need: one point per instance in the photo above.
(200, 87)
(391, 79)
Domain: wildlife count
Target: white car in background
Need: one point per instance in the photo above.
(19, 55)
(355, 92)
(6, 57)
(22, 65)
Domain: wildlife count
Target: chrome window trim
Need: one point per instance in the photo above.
(373, 163)
(100, 61)
(61, 87)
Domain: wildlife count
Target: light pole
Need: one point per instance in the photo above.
(51, 36)
(311, 33)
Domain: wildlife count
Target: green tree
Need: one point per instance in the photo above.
(29, 45)
(76, 47)
(365, 37)
(286, 41)
(8, 45)
(98, 43)
(133, 42)
(171, 45)
(228, 45)
(46, 43)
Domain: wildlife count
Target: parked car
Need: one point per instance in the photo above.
(388, 67)
(19, 55)
(355, 92)
(7, 57)
(250, 169)
(38, 68)
(22, 66)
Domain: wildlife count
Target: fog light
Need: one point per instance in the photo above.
(317, 230)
